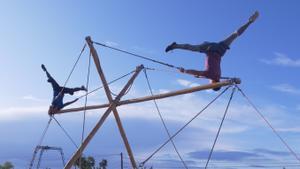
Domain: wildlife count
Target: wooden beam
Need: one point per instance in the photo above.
(111, 107)
(157, 96)
(180, 92)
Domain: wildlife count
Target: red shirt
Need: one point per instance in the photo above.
(213, 66)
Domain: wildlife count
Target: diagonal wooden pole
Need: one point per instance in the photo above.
(157, 96)
(111, 100)
(101, 121)
(77, 154)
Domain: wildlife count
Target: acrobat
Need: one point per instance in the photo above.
(59, 93)
(214, 52)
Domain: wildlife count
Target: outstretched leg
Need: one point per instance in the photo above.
(72, 90)
(196, 48)
(237, 33)
(68, 103)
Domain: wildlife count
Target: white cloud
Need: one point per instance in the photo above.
(181, 109)
(36, 107)
(16, 113)
(33, 98)
(143, 50)
(186, 83)
(82, 94)
(292, 129)
(177, 109)
(162, 91)
(286, 88)
(282, 60)
(241, 117)
(183, 82)
(110, 43)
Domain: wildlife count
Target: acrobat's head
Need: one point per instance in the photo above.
(215, 81)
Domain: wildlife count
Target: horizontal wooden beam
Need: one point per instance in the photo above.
(157, 96)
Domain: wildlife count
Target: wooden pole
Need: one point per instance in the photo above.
(111, 100)
(112, 107)
(157, 96)
(178, 92)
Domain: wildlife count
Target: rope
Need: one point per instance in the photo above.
(45, 131)
(172, 71)
(149, 59)
(112, 93)
(219, 130)
(40, 142)
(66, 133)
(86, 99)
(174, 135)
(107, 83)
(127, 91)
(72, 70)
(137, 55)
(163, 122)
(270, 125)
(85, 104)
(163, 70)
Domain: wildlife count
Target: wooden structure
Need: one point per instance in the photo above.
(114, 103)
(155, 97)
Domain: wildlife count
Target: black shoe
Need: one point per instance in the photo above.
(217, 89)
(170, 47)
(43, 67)
(83, 88)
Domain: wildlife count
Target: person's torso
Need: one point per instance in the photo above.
(57, 98)
(213, 64)
(213, 47)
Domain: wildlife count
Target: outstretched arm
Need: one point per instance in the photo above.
(72, 90)
(195, 48)
(237, 33)
(196, 73)
(68, 103)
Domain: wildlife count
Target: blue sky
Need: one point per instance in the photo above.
(265, 57)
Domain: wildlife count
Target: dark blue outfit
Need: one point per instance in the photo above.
(59, 93)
